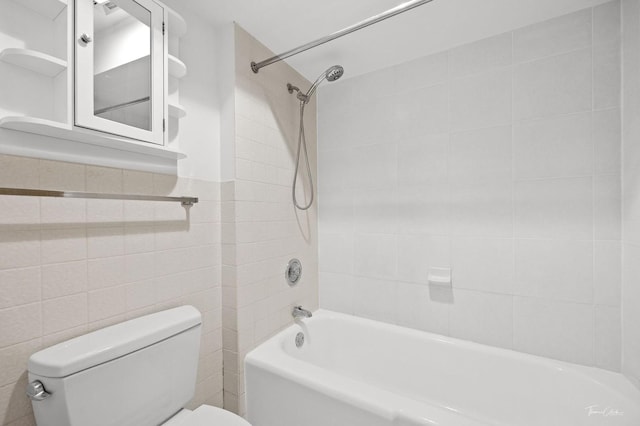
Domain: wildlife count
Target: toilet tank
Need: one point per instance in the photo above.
(139, 372)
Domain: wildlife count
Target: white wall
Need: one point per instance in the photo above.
(200, 96)
(631, 193)
(499, 159)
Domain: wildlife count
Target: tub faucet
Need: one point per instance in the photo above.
(300, 312)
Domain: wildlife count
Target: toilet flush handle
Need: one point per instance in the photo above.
(36, 391)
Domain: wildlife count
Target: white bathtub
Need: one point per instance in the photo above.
(357, 372)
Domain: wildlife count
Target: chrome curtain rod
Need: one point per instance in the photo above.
(186, 201)
(404, 7)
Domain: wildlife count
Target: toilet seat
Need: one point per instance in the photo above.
(206, 415)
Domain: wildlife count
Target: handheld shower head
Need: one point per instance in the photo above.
(332, 74)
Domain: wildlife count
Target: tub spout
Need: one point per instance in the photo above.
(300, 312)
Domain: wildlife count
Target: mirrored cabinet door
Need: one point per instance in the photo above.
(119, 77)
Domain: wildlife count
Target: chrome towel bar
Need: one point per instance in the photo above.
(185, 201)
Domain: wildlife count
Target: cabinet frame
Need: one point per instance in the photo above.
(84, 116)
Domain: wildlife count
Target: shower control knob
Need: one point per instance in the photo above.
(293, 272)
(36, 391)
(86, 38)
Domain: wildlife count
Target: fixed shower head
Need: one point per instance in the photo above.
(332, 74)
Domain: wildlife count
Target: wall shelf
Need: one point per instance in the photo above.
(85, 146)
(177, 68)
(177, 111)
(39, 62)
(177, 24)
(47, 8)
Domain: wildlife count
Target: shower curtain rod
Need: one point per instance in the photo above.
(404, 7)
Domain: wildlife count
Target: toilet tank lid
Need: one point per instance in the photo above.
(109, 343)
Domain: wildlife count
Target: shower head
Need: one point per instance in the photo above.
(332, 74)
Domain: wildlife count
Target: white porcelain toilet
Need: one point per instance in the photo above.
(137, 373)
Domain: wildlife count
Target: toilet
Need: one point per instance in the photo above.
(140, 372)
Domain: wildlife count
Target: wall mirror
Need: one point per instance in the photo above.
(119, 68)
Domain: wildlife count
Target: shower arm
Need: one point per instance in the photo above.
(404, 7)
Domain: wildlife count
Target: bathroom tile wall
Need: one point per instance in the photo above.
(261, 228)
(499, 159)
(631, 192)
(70, 266)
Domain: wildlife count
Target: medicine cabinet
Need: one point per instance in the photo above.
(100, 76)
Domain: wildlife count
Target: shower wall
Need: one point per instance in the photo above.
(500, 160)
(631, 194)
(261, 230)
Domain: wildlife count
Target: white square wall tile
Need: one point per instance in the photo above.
(560, 330)
(423, 209)
(15, 210)
(483, 264)
(555, 147)
(631, 317)
(337, 292)
(482, 210)
(416, 308)
(335, 253)
(482, 100)
(481, 155)
(482, 317)
(554, 208)
(16, 172)
(375, 166)
(607, 272)
(63, 245)
(423, 160)
(607, 139)
(372, 123)
(105, 212)
(63, 211)
(105, 272)
(418, 253)
(375, 255)
(608, 337)
(335, 169)
(107, 303)
(607, 204)
(420, 112)
(489, 53)
(607, 76)
(558, 35)
(376, 210)
(140, 294)
(552, 86)
(64, 279)
(64, 313)
(607, 22)
(334, 124)
(19, 286)
(19, 249)
(555, 269)
(422, 72)
(26, 324)
(105, 242)
(376, 299)
(55, 175)
(14, 360)
(104, 179)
